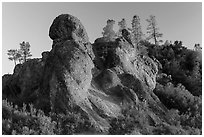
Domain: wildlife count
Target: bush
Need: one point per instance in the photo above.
(175, 97)
(71, 123)
(166, 129)
(29, 121)
(132, 119)
(189, 114)
(184, 65)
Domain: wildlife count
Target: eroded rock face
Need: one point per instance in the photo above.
(122, 55)
(125, 77)
(71, 66)
(99, 82)
(68, 71)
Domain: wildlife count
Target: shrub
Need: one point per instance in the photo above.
(71, 123)
(184, 65)
(29, 121)
(175, 97)
(166, 129)
(189, 114)
(132, 119)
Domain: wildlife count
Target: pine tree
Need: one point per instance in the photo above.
(153, 30)
(25, 50)
(20, 55)
(136, 30)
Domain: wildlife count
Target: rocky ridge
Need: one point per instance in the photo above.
(98, 80)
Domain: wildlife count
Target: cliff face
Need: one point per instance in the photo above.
(99, 79)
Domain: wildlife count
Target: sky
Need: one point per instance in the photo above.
(30, 22)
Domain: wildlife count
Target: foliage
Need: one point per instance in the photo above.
(14, 55)
(20, 55)
(25, 50)
(122, 25)
(29, 121)
(184, 65)
(135, 121)
(153, 30)
(74, 122)
(174, 97)
(134, 118)
(198, 48)
(20, 121)
(189, 108)
(108, 31)
(136, 31)
(182, 93)
(166, 129)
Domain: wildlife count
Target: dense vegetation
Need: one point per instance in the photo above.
(183, 90)
(184, 65)
(29, 121)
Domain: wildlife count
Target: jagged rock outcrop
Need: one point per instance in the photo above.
(122, 54)
(99, 80)
(131, 77)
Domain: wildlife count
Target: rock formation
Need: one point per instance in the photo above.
(99, 79)
(22, 86)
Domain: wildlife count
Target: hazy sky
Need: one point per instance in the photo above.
(31, 21)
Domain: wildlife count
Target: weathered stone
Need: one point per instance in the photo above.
(123, 55)
(68, 27)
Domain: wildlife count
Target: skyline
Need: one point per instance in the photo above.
(31, 21)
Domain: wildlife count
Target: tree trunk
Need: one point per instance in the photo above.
(155, 40)
(24, 58)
